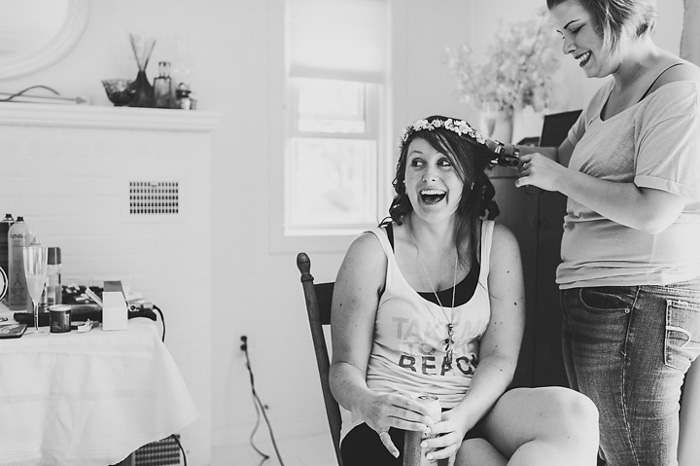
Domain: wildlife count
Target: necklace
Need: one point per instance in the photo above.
(449, 341)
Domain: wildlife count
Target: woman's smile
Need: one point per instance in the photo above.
(432, 196)
(583, 58)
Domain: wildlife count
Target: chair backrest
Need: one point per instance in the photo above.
(318, 299)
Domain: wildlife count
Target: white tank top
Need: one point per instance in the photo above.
(408, 353)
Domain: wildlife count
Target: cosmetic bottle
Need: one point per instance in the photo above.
(5, 225)
(19, 237)
(53, 293)
(163, 86)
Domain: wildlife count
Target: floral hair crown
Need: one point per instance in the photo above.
(460, 127)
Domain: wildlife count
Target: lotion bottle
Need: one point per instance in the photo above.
(53, 293)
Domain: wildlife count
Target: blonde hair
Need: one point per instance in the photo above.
(615, 17)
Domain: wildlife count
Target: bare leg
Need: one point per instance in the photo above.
(688, 445)
(480, 452)
(547, 426)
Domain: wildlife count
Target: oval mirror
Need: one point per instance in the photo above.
(37, 33)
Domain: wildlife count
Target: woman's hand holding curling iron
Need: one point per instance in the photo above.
(540, 171)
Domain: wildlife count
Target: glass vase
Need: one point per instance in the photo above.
(143, 91)
(503, 127)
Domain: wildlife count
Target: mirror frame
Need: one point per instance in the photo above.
(35, 59)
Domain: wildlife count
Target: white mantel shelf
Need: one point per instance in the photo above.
(93, 116)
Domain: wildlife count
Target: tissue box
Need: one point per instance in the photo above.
(115, 314)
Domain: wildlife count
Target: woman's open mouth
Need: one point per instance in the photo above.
(583, 58)
(432, 196)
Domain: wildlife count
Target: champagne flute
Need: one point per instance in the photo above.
(35, 264)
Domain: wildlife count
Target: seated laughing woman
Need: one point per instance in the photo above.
(432, 302)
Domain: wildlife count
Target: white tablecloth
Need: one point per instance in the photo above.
(88, 398)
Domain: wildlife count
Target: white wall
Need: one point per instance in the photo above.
(236, 56)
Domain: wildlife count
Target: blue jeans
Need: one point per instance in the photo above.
(628, 349)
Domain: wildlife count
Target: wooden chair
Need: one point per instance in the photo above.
(318, 297)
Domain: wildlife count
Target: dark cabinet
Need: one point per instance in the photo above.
(536, 218)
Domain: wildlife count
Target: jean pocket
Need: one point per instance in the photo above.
(682, 342)
(605, 299)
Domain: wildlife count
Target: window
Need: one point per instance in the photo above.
(331, 168)
(334, 145)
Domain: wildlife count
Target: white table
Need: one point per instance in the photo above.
(88, 398)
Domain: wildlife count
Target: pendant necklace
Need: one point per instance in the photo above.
(449, 342)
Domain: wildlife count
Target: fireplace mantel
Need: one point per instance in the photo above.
(93, 116)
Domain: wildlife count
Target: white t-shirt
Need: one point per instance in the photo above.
(653, 144)
(408, 352)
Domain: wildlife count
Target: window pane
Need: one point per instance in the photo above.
(329, 106)
(331, 184)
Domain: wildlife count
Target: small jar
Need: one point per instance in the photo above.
(184, 101)
(163, 86)
(60, 318)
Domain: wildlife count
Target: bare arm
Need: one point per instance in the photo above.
(644, 209)
(355, 299)
(500, 345)
(356, 295)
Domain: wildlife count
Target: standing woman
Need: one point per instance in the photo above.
(431, 302)
(630, 168)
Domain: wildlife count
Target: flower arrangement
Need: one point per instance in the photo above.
(518, 71)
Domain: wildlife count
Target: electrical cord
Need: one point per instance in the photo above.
(259, 409)
(19, 94)
(177, 440)
(162, 321)
(251, 438)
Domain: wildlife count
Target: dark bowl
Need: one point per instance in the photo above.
(119, 91)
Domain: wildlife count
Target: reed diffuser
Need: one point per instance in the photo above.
(143, 90)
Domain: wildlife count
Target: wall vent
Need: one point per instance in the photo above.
(161, 453)
(154, 198)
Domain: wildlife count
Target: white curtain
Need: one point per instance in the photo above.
(338, 38)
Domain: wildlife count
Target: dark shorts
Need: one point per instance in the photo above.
(363, 447)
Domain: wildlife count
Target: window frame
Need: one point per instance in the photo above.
(370, 93)
(333, 239)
